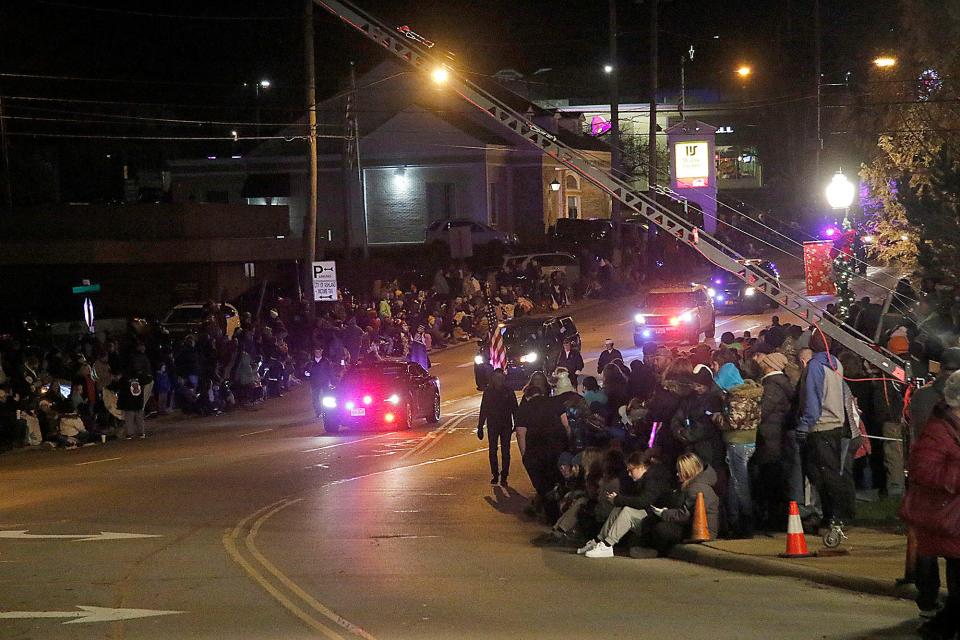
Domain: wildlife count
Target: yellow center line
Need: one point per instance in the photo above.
(450, 428)
(230, 543)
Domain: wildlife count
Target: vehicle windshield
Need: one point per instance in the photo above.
(374, 374)
(670, 300)
(726, 278)
(185, 314)
(521, 335)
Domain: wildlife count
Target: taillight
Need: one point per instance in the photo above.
(388, 417)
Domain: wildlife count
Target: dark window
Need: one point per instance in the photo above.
(219, 197)
(441, 200)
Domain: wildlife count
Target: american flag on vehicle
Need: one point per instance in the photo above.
(498, 353)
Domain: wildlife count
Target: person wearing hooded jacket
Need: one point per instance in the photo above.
(933, 497)
(819, 432)
(672, 523)
(650, 484)
(920, 411)
(692, 425)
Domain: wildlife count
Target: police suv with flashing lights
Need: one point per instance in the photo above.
(675, 314)
(382, 394)
(532, 343)
(732, 295)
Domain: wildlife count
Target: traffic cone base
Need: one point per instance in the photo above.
(699, 531)
(796, 541)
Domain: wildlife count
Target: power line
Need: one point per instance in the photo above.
(166, 16)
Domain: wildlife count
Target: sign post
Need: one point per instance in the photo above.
(693, 170)
(85, 288)
(325, 281)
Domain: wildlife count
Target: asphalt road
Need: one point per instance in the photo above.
(267, 529)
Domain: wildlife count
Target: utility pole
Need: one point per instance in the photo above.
(355, 95)
(310, 228)
(819, 73)
(7, 178)
(615, 154)
(652, 143)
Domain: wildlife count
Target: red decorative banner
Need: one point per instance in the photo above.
(818, 266)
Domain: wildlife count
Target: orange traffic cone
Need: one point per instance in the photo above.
(699, 532)
(796, 542)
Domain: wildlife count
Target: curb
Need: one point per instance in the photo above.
(727, 561)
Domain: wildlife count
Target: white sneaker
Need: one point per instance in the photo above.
(602, 550)
(591, 543)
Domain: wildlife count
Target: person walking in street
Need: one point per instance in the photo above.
(920, 410)
(819, 432)
(497, 409)
(608, 355)
(932, 503)
(571, 360)
(319, 372)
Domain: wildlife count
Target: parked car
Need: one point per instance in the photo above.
(675, 314)
(595, 234)
(188, 318)
(383, 394)
(482, 234)
(549, 262)
(732, 295)
(532, 343)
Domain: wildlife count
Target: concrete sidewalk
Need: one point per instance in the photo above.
(872, 563)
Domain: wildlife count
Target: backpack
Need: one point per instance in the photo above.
(741, 407)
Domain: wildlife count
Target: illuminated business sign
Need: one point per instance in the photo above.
(692, 160)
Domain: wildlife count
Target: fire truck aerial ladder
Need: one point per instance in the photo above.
(416, 52)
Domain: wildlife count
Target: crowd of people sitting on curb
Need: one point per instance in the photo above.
(96, 387)
(748, 424)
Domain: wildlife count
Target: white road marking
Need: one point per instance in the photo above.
(87, 614)
(81, 464)
(253, 433)
(77, 537)
(343, 444)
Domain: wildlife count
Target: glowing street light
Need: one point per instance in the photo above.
(840, 191)
(440, 75)
(884, 62)
(744, 71)
(555, 185)
(608, 68)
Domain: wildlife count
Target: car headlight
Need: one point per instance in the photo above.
(394, 399)
(639, 319)
(711, 292)
(686, 317)
(529, 358)
(329, 402)
(477, 359)
(349, 405)
(749, 291)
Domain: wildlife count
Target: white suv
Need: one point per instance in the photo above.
(549, 262)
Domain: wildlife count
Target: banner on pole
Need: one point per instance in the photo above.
(818, 268)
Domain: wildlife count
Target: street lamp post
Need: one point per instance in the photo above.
(840, 194)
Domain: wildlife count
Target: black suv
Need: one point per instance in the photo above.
(732, 295)
(532, 343)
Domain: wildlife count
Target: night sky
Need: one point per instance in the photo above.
(122, 71)
(206, 61)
